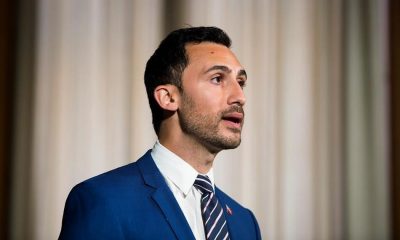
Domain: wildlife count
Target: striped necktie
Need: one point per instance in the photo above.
(215, 226)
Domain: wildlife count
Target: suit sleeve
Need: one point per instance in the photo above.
(88, 216)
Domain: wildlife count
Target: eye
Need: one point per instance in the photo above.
(242, 83)
(216, 80)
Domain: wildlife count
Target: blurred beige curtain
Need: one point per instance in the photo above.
(313, 161)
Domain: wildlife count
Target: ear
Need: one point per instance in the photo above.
(167, 97)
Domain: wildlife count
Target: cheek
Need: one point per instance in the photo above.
(210, 98)
(205, 97)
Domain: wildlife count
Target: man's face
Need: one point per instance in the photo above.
(211, 110)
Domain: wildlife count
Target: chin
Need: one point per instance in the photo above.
(231, 143)
(218, 144)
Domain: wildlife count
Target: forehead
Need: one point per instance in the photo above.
(211, 53)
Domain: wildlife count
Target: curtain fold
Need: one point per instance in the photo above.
(365, 117)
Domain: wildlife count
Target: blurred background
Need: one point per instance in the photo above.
(320, 152)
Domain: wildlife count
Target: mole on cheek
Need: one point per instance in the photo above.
(212, 52)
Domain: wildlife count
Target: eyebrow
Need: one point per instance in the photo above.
(241, 73)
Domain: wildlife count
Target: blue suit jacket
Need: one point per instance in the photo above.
(134, 202)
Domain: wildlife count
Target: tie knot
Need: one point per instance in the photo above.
(203, 184)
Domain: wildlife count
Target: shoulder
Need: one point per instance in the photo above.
(103, 191)
(117, 179)
(108, 182)
(114, 184)
(230, 202)
(242, 222)
(113, 178)
(96, 207)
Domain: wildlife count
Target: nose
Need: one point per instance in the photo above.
(236, 94)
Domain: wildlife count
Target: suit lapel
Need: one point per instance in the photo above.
(173, 213)
(164, 198)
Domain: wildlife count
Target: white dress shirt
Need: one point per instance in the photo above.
(180, 177)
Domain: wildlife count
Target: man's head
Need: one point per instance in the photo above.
(195, 79)
(167, 63)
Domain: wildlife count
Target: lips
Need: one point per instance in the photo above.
(235, 118)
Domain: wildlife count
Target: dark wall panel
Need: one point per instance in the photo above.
(8, 19)
(394, 53)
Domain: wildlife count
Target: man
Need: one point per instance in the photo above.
(195, 86)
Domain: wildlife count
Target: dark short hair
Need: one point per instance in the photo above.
(169, 60)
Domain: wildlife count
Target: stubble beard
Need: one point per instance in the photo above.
(205, 127)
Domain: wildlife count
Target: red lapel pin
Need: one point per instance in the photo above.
(228, 210)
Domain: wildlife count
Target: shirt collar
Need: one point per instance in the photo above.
(177, 170)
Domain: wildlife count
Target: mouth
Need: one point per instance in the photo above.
(234, 119)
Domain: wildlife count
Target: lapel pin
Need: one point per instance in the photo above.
(228, 210)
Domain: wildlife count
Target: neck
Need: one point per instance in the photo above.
(189, 149)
